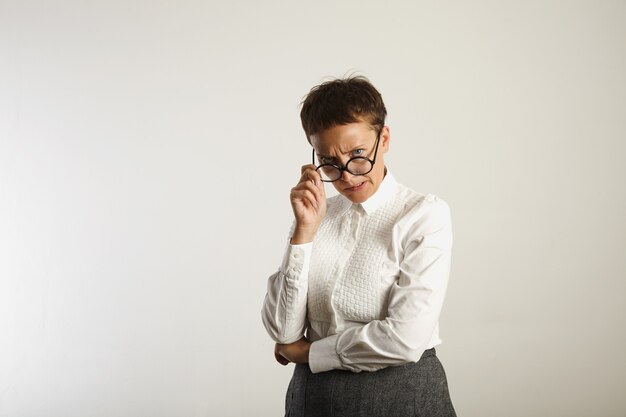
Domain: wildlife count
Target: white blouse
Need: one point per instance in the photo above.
(369, 289)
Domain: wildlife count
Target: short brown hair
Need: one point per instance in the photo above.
(341, 101)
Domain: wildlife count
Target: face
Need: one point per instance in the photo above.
(342, 142)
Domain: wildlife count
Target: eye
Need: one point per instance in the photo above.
(326, 160)
(358, 152)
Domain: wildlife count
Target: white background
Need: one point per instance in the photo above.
(147, 150)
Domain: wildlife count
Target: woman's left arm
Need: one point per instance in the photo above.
(415, 303)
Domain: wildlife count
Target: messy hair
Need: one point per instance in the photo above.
(342, 101)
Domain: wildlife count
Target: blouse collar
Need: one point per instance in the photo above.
(385, 192)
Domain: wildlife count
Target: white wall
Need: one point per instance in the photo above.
(147, 150)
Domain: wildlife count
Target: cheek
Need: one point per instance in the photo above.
(336, 185)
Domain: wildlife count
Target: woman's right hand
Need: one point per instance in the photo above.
(308, 202)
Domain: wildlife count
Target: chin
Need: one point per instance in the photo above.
(356, 198)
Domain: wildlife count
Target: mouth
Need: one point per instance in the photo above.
(356, 187)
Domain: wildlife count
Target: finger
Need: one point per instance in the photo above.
(303, 194)
(314, 184)
(319, 196)
(322, 189)
(310, 187)
(305, 167)
(311, 193)
(312, 198)
(310, 175)
(281, 359)
(307, 197)
(280, 355)
(315, 176)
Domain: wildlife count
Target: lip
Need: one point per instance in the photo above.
(356, 187)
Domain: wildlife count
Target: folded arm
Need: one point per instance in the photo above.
(284, 307)
(415, 302)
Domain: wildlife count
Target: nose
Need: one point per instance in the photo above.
(346, 176)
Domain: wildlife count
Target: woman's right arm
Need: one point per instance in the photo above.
(284, 307)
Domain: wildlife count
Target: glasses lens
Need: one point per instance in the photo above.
(329, 172)
(359, 166)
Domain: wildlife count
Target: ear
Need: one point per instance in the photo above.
(385, 137)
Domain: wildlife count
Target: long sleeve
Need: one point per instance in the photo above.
(415, 302)
(284, 307)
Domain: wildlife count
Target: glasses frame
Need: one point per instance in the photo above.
(344, 168)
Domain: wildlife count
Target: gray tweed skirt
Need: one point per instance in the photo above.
(413, 389)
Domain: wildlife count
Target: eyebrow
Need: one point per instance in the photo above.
(351, 150)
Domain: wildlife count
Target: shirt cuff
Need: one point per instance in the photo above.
(323, 355)
(296, 259)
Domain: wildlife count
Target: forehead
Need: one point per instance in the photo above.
(342, 138)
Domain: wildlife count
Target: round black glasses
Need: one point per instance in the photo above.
(359, 165)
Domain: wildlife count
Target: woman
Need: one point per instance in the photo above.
(364, 273)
